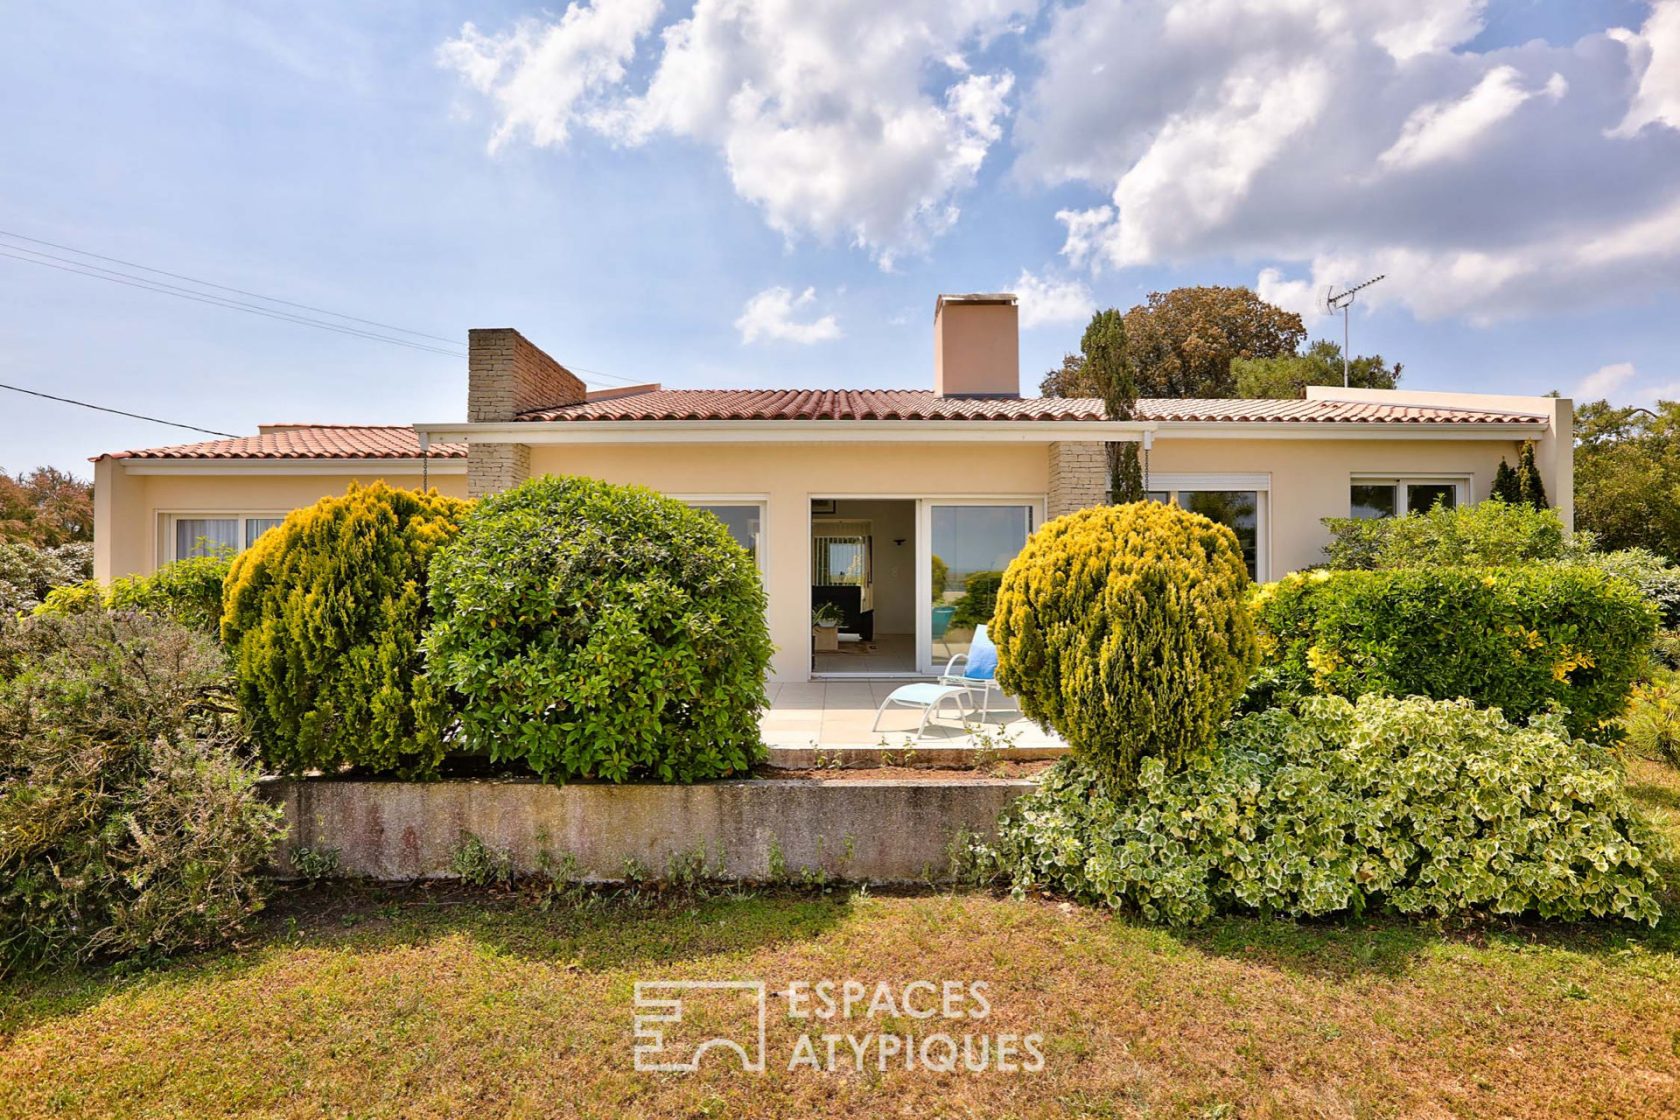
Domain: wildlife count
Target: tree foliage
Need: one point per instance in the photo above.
(325, 615)
(1627, 475)
(1125, 628)
(1182, 342)
(1286, 377)
(601, 631)
(46, 507)
(1109, 368)
(29, 573)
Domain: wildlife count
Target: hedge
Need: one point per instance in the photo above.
(601, 631)
(1520, 639)
(1415, 806)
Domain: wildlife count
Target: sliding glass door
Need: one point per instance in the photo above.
(969, 544)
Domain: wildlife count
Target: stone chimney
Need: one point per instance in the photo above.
(507, 375)
(977, 346)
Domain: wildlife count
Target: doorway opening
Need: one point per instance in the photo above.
(863, 587)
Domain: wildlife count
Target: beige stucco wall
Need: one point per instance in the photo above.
(1310, 478)
(1308, 481)
(128, 507)
(786, 476)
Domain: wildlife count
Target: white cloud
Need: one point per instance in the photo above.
(770, 315)
(1046, 301)
(1654, 53)
(1450, 129)
(542, 76)
(1603, 381)
(1327, 142)
(863, 121)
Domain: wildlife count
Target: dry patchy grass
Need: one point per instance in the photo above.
(437, 1002)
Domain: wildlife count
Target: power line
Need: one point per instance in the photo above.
(116, 411)
(97, 272)
(225, 288)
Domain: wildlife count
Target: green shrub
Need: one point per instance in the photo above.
(325, 615)
(1486, 533)
(1520, 639)
(601, 631)
(979, 601)
(30, 573)
(187, 591)
(1414, 806)
(1124, 628)
(129, 819)
(941, 577)
(1656, 578)
(1652, 721)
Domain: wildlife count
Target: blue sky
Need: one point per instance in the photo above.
(630, 184)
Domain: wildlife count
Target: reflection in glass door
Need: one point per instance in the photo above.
(970, 545)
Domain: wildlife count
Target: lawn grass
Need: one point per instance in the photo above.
(443, 1002)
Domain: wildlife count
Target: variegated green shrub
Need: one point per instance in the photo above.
(1125, 629)
(1415, 806)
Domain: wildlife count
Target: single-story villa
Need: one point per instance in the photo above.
(881, 504)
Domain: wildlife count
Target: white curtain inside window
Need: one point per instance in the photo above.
(205, 536)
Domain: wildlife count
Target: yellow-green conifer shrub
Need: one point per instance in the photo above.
(324, 616)
(1125, 629)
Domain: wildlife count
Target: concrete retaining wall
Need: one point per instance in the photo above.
(875, 831)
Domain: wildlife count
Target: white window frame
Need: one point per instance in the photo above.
(924, 557)
(1259, 484)
(1461, 484)
(168, 518)
(759, 501)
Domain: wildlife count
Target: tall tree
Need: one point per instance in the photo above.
(1108, 368)
(1507, 487)
(1287, 377)
(45, 507)
(1627, 475)
(1182, 342)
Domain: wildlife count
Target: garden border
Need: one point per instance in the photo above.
(869, 830)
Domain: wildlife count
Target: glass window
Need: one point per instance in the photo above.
(1373, 499)
(744, 523)
(205, 536)
(257, 526)
(1421, 497)
(1238, 509)
(971, 545)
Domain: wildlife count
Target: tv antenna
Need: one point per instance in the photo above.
(1335, 301)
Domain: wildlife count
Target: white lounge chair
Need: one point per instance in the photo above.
(926, 696)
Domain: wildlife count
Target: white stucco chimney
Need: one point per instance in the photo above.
(977, 345)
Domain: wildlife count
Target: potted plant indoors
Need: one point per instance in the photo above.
(825, 628)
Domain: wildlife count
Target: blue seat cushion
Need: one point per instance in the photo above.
(982, 660)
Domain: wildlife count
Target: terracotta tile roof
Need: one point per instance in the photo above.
(922, 404)
(307, 441)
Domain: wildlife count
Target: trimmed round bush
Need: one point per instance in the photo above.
(601, 631)
(1124, 629)
(1415, 806)
(325, 615)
